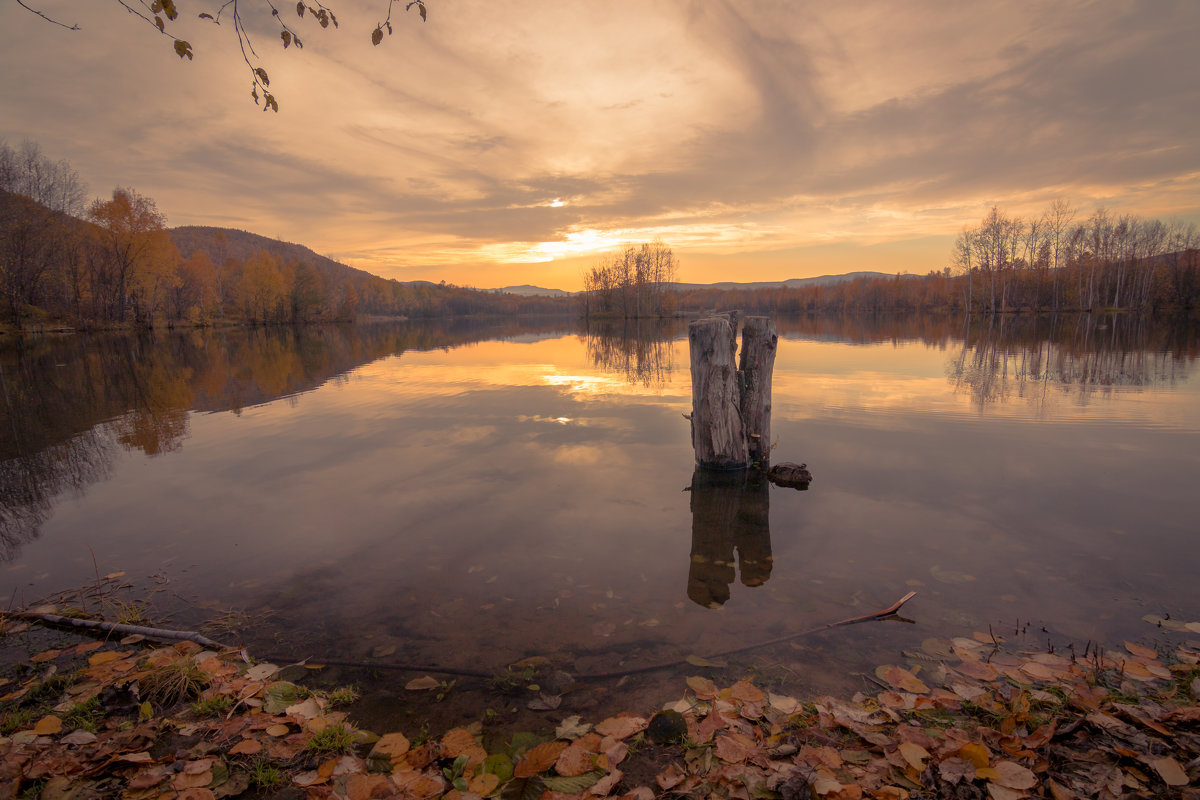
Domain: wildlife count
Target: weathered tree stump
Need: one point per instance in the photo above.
(717, 433)
(759, 340)
(731, 408)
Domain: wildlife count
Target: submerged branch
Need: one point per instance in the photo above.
(161, 634)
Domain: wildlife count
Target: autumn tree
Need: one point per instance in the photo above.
(37, 198)
(634, 282)
(132, 235)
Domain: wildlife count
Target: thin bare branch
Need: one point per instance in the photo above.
(21, 3)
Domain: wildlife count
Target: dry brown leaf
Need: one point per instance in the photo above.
(196, 794)
(539, 759)
(277, 730)
(1013, 776)
(185, 781)
(977, 670)
(734, 747)
(914, 754)
(621, 727)
(670, 777)
(901, 679)
(998, 792)
(604, 786)
(246, 747)
(1141, 651)
(747, 692)
(1169, 770)
(457, 741)
(364, 787)
(573, 761)
(46, 655)
(704, 688)
(392, 746)
(107, 656)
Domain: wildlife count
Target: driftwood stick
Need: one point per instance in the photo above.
(93, 625)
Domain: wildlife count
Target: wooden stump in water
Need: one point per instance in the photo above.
(718, 436)
(759, 340)
(731, 408)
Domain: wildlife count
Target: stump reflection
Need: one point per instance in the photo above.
(730, 511)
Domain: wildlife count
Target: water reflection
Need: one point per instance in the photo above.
(70, 405)
(1042, 361)
(639, 350)
(730, 512)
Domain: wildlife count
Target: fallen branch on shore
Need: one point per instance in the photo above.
(100, 626)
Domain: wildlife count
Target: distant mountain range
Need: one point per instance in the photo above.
(793, 283)
(223, 243)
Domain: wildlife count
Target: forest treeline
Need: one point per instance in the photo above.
(1013, 265)
(114, 262)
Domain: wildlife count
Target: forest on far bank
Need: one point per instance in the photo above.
(114, 263)
(66, 262)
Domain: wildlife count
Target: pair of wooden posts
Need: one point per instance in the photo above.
(731, 403)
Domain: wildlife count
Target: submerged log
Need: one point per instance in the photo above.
(759, 340)
(795, 476)
(718, 436)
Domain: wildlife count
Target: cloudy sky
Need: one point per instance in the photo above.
(512, 142)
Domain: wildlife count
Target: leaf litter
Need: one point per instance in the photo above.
(971, 720)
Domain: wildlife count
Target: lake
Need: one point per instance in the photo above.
(470, 494)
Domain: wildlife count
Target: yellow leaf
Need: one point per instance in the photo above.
(977, 754)
(48, 725)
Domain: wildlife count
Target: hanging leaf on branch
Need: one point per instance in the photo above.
(162, 15)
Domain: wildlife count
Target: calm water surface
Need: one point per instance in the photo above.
(475, 494)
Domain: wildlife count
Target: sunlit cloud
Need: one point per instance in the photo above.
(502, 144)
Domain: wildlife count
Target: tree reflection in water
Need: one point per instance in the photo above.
(730, 512)
(69, 405)
(639, 350)
(1042, 360)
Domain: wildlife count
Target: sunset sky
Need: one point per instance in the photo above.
(502, 143)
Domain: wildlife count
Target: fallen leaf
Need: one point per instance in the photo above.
(48, 725)
(1013, 776)
(704, 688)
(621, 727)
(977, 754)
(391, 746)
(914, 754)
(246, 747)
(571, 728)
(670, 777)
(574, 761)
(383, 651)
(539, 759)
(46, 655)
(277, 730)
(1140, 650)
(697, 661)
(544, 702)
(422, 683)
(1169, 770)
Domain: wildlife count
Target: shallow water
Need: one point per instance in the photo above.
(474, 494)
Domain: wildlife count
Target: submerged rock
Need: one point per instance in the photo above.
(796, 476)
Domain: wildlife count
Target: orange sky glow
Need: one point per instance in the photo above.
(509, 143)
